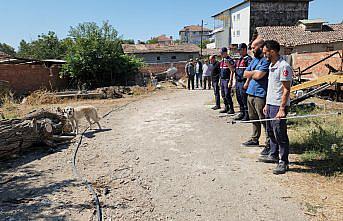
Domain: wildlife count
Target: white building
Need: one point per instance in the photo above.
(238, 24)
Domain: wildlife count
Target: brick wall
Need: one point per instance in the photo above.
(305, 60)
(159, 68)
(25, 78)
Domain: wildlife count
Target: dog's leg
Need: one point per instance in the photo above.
(89, 121)
(99, 125)
(72, 125)
(77, 127)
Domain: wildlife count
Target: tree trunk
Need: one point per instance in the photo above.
(37, 128)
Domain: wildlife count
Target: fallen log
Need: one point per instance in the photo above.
(37, 128)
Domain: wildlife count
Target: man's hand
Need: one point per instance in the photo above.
(281, 113)
(265, 110)
(230, 84)
(246, 85)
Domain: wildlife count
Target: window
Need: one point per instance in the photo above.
(173, 57)
(238, 33)
(329, 48)
(233, 33)
(238, 17)
(158, 58)
(234, 17)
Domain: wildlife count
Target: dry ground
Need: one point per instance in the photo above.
(164, 157)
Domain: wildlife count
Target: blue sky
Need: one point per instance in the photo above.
(136, 19)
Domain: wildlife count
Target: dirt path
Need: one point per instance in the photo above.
(167, 157)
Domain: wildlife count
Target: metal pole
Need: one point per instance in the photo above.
(286, 118)
(202, 31)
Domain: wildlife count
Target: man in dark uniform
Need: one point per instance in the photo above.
(240, 66)
(215, 81)
(226, 68)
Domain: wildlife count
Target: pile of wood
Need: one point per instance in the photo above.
(37, 128)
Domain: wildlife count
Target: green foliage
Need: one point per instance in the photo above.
(47, 46)
(94, 56)
(128, 41)
(7, 49)
(152, 41)
(204, 43)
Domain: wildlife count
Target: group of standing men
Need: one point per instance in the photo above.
(262, 90)
(199, 73)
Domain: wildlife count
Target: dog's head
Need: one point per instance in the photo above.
(68, 112)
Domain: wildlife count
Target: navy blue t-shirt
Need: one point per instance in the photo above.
(225, 71)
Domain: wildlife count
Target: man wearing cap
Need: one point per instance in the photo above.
(256, 84)
(240, 66)
(190, 71)
(226, 68)
(278, 101)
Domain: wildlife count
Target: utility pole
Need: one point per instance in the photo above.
(202, 32)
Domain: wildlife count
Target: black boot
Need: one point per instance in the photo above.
(246, 116)
(224, 111)
(240, 116)
(231, 111)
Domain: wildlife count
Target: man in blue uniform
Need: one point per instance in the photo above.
(240, 66)
(226, 67)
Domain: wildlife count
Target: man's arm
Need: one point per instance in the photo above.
(258, 75)
(286, 86)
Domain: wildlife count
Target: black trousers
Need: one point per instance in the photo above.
(216, 90)
(190, 82)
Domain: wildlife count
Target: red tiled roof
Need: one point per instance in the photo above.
(194, 28)
(156, 48)
(163, 38)
(290, 36)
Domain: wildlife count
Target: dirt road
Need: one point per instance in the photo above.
(166, 157)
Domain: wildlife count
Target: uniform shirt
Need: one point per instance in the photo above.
(207, 69)
(279, 72)
(225, 71)
(241, 66)
(258, 88)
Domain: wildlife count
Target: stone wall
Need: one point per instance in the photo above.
(277, 13)
(153, 58)
(159, 68)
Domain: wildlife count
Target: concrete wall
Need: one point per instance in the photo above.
(159, 68)
(166, 57)
(265, 13)
(240, 24)
(306, 59)
(222, 39)
(25, 78)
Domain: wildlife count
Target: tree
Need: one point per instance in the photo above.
(95, 56)
(128, 41)
(204, 44)
(7, 49)
(152, 41)
(47, 46)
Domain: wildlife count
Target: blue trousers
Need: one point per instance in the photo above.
(242, 97)
(226, 93)
(198, 77)
(277, 131)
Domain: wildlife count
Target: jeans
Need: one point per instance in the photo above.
(198, 77)
(277, 130)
